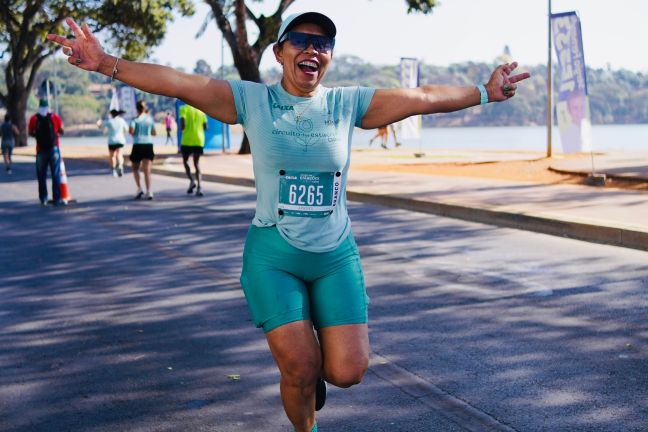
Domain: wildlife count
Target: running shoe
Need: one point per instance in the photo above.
(114, 173)
(139, 195)
(320, 394)
(149, 196)
(192, 186)
(199, 192)
(120, 171)
(61, 203)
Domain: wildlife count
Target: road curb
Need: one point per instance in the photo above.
(616, 236)
(610, 235)
(578, 230)
(236, 181)
(619, 177)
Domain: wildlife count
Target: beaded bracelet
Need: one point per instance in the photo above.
(114, 71)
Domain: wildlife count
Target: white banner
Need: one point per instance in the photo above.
(114, 100)
(409, 128)
(127, 101)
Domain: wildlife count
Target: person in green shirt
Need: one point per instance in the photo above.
(193, 124)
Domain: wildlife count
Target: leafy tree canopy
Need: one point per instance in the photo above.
(128, 26)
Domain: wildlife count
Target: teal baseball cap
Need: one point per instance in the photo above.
(307, 17)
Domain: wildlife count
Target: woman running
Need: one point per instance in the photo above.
(301, 274)
(117, 129)
(142, 128)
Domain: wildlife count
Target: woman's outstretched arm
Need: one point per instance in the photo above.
(391, 105)
(214, 97)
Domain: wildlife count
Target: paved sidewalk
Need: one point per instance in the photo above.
(604, 215)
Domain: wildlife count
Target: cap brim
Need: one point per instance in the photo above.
(312, 17)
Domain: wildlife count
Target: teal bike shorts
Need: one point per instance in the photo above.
(283, 284)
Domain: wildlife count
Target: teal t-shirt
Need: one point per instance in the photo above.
(117, 129)
(142, 125)
(301, 151)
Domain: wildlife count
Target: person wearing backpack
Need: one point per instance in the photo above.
(46, 127)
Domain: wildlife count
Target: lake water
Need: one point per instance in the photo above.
(608, 138)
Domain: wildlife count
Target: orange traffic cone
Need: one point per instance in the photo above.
(65, 193)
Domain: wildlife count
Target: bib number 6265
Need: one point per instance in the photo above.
(306, 195)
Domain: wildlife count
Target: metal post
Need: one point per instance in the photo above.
(47, 90)
(222, 76)
(56, 95)
(549, 89)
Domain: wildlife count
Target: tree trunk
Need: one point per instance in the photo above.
(17, 95)
(247, 57)
(248, 69)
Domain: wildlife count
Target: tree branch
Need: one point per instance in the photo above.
(34, 69)
(251, 15)
(240, 16)
(269, 26)
(222, 22)
(283, 5)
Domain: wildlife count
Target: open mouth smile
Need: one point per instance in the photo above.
(309, 67)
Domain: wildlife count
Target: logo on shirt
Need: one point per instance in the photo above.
(275, 105)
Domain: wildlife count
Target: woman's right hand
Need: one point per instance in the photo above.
(211, 96)
(84, 51)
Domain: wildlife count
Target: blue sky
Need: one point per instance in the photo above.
(380, 31)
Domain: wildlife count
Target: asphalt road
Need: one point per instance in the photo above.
(125, 315)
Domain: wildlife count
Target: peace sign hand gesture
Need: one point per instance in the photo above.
(84, 51)
(501, 85)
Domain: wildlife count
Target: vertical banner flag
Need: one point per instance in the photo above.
(114, 100)
(409, 78)
(572, 104)
(127, 101)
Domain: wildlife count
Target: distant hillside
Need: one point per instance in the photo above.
(616, 96)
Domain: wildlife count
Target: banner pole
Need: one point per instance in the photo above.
(549, 88)
(222, 76)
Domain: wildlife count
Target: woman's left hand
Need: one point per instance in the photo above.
(502, 85)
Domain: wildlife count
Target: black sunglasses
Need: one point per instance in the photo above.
(301, 41)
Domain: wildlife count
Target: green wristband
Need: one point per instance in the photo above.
(483, 94)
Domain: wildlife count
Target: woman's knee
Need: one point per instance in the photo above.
(346, 374)
(300, 373)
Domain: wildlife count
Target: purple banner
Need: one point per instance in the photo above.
(572, 105)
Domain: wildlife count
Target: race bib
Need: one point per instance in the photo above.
(308, 194)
